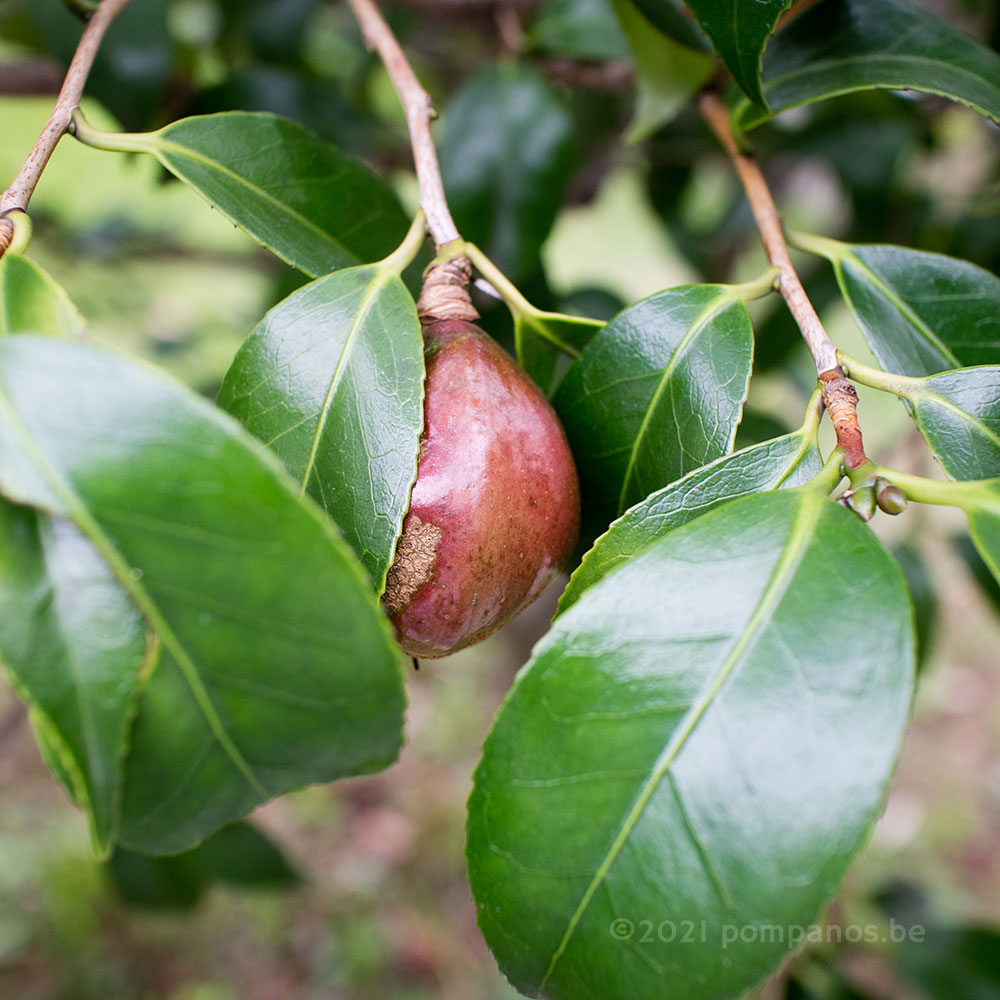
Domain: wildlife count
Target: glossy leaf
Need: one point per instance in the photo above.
(673, 18)
(332, 381)
(739, 30)
(75, 644)
(700, 746)
(580, 29)
(506, 157)
(668, 73)
(275, 666)
(311, 204)
(30, 301)
(319, 104)
(778, 464)
(848, 45)
(958, 414)
(545, 343)
(657, 393)
(921, 313)
(77, 707)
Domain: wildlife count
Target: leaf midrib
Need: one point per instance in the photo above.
(81, 516)
(85, 712)
(817, 70)
(928, 395)
(791, 555)
(380, 278)
(896, 301)
(698, 324)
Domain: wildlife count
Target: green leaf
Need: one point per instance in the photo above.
(841, 46)
(544, 341)
(31, 302)
(276, 667)
(667, 73)
(506, 157)
(580, 29)
(170, 883)
(241, 855)
(673, 18)
(778, 464)
(958, 414)
(238, 855)
(923, 594)
(922, 313)
(694, 754)
(305, 200)
(332, 381)
(977, 568)
(984, 525)
(739, 30)
(656, 394)
(75, 644)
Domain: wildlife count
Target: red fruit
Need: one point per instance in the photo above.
(495, 509)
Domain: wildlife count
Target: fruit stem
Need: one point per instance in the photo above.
(23, 186)
(419, 111)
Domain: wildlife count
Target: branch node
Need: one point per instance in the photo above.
(841, 399)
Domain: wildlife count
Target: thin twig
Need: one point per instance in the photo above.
(419, 111)
(765, 213)
(17, 196)
(840, 396)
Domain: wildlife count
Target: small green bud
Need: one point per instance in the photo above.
(891, 498)
(861, 501)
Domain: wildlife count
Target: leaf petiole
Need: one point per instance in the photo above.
(965, 494)
(531, 316)
(115, 142)
(403, 256)
(758, 287)
(828, 478)
(875, 378)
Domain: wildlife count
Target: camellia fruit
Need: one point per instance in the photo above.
(495, 509)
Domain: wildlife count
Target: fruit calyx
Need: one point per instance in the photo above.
(445, 292)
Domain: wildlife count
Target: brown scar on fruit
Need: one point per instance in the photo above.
(413, 565)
